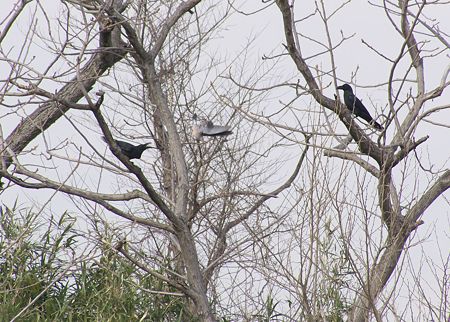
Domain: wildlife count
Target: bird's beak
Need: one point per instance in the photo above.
(340, 87)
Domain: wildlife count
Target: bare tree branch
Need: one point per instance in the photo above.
(352, 157)
(365, 144)
(48, 113)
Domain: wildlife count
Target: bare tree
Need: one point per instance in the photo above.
(269, 222)
(192, 197)
(391, 148)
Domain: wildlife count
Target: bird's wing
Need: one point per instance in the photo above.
(356, 106)
(350, 100)
(125, 147)
(361, 110)
(213, 130)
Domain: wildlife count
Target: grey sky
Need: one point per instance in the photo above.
(352, 58)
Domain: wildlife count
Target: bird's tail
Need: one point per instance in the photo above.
(376, 125)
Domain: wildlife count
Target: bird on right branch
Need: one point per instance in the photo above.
(356, 106)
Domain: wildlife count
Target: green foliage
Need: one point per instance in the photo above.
(28, 264)
(41, 281)
(110, 291)
(331, 299)
(271, 306)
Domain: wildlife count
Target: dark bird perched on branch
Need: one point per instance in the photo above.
(357, 107)
(207, 128)
(130, 150)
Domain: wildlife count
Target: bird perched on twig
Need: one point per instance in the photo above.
(129, 150)
(356, 106)
(207, 128)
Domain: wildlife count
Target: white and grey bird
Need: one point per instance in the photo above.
(207, 128)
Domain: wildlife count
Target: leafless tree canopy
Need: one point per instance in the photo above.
(302, 213)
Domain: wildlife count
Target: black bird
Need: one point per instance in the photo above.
(356, 106)
(130, 150)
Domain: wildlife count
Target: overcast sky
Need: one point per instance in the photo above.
(358, 19)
